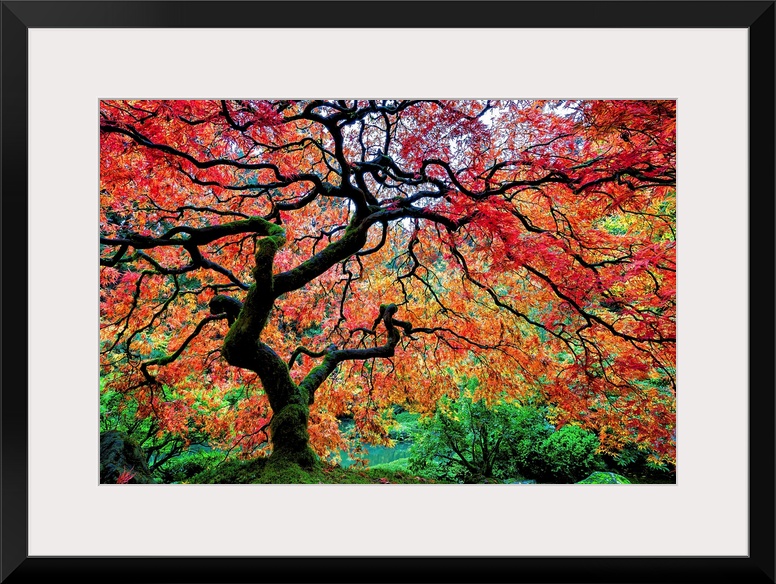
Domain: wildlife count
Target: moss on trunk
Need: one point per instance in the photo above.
(290, 438)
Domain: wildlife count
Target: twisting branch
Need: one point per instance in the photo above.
(173, 356)
(205, 164)
(334, 356)
(305, 351)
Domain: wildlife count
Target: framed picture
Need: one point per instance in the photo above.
(66, 65)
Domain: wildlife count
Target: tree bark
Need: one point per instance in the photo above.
(243, 348)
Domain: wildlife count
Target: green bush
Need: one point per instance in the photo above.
(568, 455)
(467, 441)
(528, 429)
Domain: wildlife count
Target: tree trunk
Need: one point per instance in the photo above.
(290, 438)
(290, 408)
(243, 348)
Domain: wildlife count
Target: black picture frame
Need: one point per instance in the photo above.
(19, 16)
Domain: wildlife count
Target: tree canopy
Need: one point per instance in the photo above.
(268, 267)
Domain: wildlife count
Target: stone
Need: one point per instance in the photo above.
(118, 453)
(604, 478)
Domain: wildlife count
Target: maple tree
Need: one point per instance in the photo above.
(270, 266)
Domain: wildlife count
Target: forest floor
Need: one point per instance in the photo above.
(257, 471)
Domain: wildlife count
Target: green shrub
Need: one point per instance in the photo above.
(568, 455)
(527, 430)
(467, 441)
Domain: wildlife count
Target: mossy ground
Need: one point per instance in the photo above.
(264, 471)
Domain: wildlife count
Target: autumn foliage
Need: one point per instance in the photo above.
(387, 252)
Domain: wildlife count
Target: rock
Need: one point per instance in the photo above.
(118, 453)
(604, 478)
